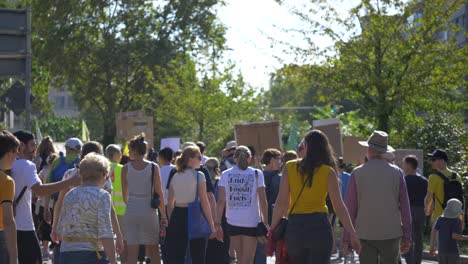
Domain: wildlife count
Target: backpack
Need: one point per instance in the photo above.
(59, 171)
(452, 189)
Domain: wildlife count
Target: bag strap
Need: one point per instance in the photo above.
(442, 176)
(297, 199)
(20, 196)
(152, 179)
(196, 190)
(454, 176)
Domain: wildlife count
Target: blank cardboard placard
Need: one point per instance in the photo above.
(130, 124)
(172, 143)
(331, 128)
(353, 152)
(261, 136)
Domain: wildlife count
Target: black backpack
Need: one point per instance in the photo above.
(452, 189)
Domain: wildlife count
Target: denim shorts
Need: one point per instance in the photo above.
(82, 257)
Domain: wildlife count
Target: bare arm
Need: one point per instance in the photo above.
(263, 205)
(124, 184)
(337, 202)
(220, 205)
(158, 189)
(51, 188)
(457, 236)
(170, 202)
(9, 228)
(212, 202)
(109, 249)
(282, 202)
(432, 241)
(206, 206)
(57, 210)
(428, 203)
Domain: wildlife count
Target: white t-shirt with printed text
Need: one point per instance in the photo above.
(24, 174)
(241, 187)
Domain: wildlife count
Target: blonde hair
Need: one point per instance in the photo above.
(93, 167)
(183, 160)
(212, 165)
(242, 154)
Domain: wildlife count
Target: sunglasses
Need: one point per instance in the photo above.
(434, 159)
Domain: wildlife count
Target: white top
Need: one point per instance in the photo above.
(204, 159)
(73, 171)
(85, 214)
(184, 185)
(242, 207)
(24, 173)
(164, 172)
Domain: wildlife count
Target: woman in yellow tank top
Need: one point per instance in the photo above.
(304, 186)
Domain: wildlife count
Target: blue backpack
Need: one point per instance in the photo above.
(59, 171)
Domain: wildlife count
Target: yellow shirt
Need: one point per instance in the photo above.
(436, 186)
(312, 199)
(7, 193)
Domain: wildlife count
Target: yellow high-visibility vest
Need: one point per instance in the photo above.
(117, 196)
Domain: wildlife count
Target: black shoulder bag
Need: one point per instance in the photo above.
(261, 228)
(279, 231)
(155, 199)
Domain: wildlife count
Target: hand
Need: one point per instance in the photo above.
(47, 215)
(345, 248)
(76, 180)
(164, 222)
(54, 236)
(219, 234)
(428, 211)
(405, 247)
(432, 251)
(119, 245)
(355, 243)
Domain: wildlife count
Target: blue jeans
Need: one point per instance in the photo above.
(82, 257)
(3, 249)
(260, 257)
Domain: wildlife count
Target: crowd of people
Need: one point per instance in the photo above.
(94, 205)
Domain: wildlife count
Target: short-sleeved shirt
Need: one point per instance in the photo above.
(209, 185)
(241, 186)
(344, 176)
(417, 189)
(85, 214)
(436, 186)
(312, 199)
(165, 171)
(446, 227)
(7, 193)
(184, 185)
(24, 174)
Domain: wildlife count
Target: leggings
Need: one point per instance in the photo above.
(177, 240)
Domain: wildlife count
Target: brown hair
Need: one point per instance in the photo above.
(90, 147)
(319, 152)
(411, 160)
(8, 143)
(46, 148)
(138, 144)
(269, 154)
(242, 154)
(183, 160)
(212, 165)
(289, 155)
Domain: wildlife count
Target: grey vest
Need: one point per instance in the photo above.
(378, 196)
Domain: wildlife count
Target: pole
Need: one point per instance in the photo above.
(28, 70)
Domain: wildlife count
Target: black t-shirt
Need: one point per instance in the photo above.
(417, 189)
(209, 185)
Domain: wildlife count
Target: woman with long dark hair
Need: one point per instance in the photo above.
(304, 187)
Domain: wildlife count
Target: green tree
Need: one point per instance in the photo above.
(389, 61)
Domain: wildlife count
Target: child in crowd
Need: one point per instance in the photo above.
(448, 229)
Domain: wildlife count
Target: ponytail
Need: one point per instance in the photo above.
(242, 156)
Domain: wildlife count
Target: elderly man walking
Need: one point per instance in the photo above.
(377, 200)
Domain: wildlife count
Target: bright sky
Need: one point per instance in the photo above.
(251, 24)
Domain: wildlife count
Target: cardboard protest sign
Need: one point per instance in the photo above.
(172, 143)
(130, 124)
(331, 128)
(353, 152)
(261, 136)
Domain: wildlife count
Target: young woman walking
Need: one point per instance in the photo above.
(304, 186)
